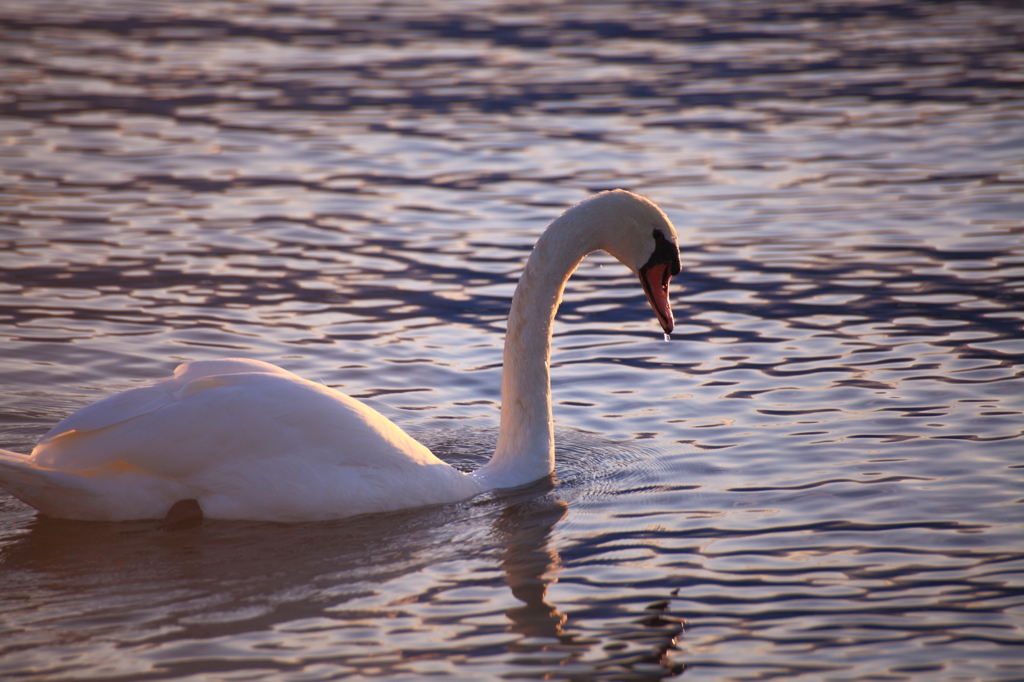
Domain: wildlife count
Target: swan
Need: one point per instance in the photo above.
(244, 439)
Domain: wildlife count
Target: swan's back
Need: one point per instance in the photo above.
(247, 440)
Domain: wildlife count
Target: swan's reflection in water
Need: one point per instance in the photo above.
(637, 650)
(530, 563)
(357, 594)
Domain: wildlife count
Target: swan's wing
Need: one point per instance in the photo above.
(135, 402)
(114, 409)
(228, 421)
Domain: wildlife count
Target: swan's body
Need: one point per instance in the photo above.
(249, 440)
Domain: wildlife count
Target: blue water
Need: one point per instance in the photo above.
(818, 477)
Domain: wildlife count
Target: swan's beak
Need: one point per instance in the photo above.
(654, 278)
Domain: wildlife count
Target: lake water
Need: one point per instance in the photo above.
(818, 477)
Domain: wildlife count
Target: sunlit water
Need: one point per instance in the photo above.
(817, 477)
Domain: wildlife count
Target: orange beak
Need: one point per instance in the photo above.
(654, 279)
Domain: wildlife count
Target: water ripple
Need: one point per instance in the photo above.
(817, 477)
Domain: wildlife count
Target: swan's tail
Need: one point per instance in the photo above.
(46, 490)
(19, 478)
(85, 496)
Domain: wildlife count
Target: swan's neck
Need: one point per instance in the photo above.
(525, 450)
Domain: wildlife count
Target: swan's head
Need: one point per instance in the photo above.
(642, 237)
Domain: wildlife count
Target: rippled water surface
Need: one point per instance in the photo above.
(818, 477)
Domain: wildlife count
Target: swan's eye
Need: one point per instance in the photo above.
(665, 253)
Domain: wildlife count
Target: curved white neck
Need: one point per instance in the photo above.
(525, 450)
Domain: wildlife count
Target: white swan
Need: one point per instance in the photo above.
(247, 440)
